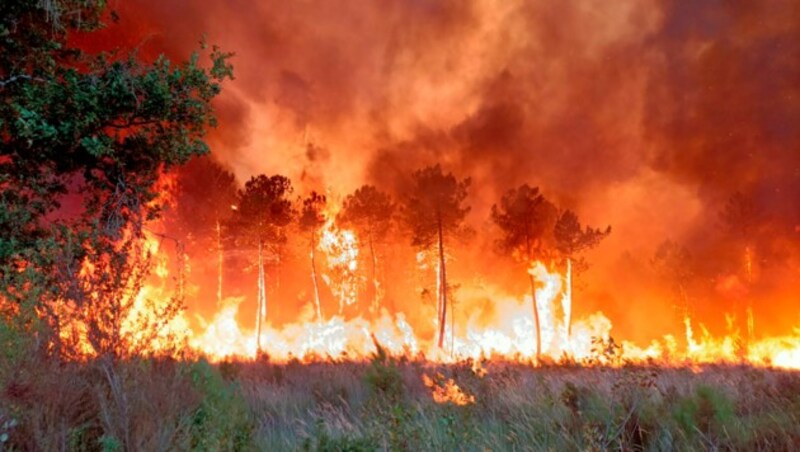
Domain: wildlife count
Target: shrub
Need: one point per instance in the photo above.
(222, 421)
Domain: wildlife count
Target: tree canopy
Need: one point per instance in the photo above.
(525, 217)
(435, 203)
(99, 128)
(571, 239)
(369, 211)
(263, 210)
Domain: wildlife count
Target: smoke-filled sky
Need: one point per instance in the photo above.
(645, 115)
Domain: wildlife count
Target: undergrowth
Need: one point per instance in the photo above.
(160, 404)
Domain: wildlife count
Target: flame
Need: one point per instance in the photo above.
(341, 248)
(508, 335)
(447, 391)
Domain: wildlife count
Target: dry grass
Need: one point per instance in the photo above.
(170, 405)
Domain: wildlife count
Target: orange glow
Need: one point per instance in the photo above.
(447, 391)
(509, 337)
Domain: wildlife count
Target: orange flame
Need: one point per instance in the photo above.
(447, 391)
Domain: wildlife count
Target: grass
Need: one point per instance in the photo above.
(158, 404)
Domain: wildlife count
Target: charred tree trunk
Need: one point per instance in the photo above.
(568, 295)
(748, 262)
(220, 263)
(375, 295)
(262, 296)
(443, 287)
(314, 278)
(536, 319)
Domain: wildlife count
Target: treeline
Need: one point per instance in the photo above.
(430, 216)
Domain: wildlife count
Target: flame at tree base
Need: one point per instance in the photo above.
(510, 336)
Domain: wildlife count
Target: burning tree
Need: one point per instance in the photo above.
(311, 221)
(205, 193)
(262, 213)
(97, 127)
(369, 212)
(571, 240)
(435, 210)
(674, 263)
(741, 218)
(525, 218)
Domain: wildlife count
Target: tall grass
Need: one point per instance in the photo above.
(155, 404)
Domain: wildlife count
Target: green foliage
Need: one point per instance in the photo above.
(110, 444)
(383, 378)
(222, 421)
(102, 127)
(707, 411)
(323, 441)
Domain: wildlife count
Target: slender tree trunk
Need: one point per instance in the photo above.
(438, 294)
(262, 296)
(529, 249)
(375, 302)
(220, 263)
(748, 259)
(568, 296)
(536, 319)
(443, 273)
(314, 279)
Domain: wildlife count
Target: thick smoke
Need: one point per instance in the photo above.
(647, 116)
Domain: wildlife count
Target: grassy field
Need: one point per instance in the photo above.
(385, 405)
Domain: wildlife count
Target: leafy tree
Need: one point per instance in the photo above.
(525, 218)
(99, 127)
(312, 219)
(203, 199)
(435, 210)
(369, 212)
(263, 210)
(571, 240)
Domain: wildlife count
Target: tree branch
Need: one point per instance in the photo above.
(13, 79)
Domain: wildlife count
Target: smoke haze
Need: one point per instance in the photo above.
(645, 115)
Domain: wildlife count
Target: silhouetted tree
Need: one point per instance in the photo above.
(674, 263)
(741, 218)
(570, 241)
(311, 221)
(204, 198)
(434, 210)
(262, 213)
(369, 212)
(525, 218)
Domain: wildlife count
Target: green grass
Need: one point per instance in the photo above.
(384, 405)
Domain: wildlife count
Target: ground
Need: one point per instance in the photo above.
(385, 404)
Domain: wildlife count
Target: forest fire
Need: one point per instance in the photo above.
(493, 224)
(510, 338)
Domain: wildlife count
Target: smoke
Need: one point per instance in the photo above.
(646, 115)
